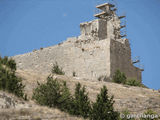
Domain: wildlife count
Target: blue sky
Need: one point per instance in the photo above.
(26, 25)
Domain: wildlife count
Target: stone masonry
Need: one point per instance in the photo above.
(98, 51)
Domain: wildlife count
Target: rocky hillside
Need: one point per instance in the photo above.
(13, 108)
(135, 99)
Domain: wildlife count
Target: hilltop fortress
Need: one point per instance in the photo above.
(100, 50)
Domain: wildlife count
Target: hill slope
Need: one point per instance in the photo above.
(135, 99)
(13, 108)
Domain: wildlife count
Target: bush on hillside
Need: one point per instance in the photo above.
(53, 94)
(47, 93)
(57, 70)
(133, 82)
(8, 80)
(81, 103)
(56, 94)
(103, 109)
(10, 63)
(66, 99)
(119, 77)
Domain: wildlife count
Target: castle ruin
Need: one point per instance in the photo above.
(100, 50)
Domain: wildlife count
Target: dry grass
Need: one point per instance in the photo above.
(134, 99)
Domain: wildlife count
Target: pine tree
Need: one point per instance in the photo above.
(119, 77)
(66, 99)
(48, 93)
(8, 79)
(81, 103)
(103, 109)
(54, 93)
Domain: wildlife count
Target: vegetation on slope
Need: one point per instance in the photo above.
(81, 105)
(120, 78)
(57, 70)
(103, 109)
(55, 93)
(8, 80)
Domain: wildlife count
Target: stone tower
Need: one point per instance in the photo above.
(100, 50)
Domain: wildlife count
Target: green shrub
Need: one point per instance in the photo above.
(10, 63)
(119, 77)
(57, 70)
(133, 82)
(48, 93)
(53, 94)
(150, 115)
(66, 99)
(81, 103)
(103, 109)
(8, 80)
(56, 94)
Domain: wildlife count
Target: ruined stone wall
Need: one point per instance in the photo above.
(121, 59)
(102, 33)
(89, 59)
(95, 30)
(94, 53)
